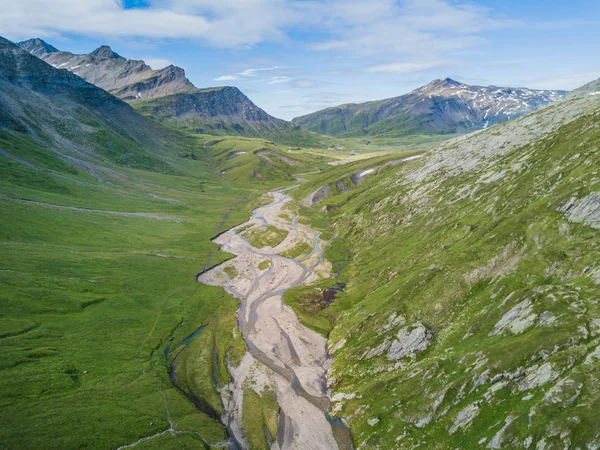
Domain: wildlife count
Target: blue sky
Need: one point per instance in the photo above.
(292, 57)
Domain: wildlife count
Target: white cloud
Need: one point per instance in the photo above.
(226, 78)
(254, 72)
(277, 80)
(383, 26)
(412, 30)
(409, 67)
(223, 23)
(303, 83)
(248, 73)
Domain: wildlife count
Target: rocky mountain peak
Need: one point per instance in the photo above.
(440, 107)
(37, 47)
(450, 81)
(173, 72)
(166, 94)
(104, 51)
(442, 83)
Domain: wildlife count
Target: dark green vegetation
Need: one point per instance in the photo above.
(260, 418)
(344, 121)
(255, 160)
(301, 249)
(264, 265)
(231, 272)
(106, 220)
(470, 316)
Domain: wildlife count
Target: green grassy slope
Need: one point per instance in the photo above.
(345, 121)
(106, 219)
(468, 252)
(98, 279)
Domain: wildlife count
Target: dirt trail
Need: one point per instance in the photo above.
(282, 354)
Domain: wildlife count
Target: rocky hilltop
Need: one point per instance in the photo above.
(167, 95)
(440, 107)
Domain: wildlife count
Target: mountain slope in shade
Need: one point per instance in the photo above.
(440, 107)
(167, 95)
(72, 118)
(220, 111)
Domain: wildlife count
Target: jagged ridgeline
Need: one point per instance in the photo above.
(168, 96)
(440, 107)
(471, 315)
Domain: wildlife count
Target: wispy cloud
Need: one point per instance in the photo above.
(566, 81)
(226, 78)
(304, 83)
(410, 67)
(278, 80)
(248, 73)
(418, 33)
(254, 72)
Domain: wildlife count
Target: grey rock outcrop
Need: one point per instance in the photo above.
(464, 418)
(409, 340)
(585, 210)
(516, 320)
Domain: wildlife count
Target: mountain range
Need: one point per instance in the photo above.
(73, 119)
(457, 301)
(167, 95)
(440, 107)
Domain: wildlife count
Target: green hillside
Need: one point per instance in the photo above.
(98, 280)
(106, 220)
(470, 317)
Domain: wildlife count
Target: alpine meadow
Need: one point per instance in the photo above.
(408, 259)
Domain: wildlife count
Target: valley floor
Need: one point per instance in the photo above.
(283, 356)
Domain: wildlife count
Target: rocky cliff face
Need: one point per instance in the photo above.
(167, 95)
(440, 107)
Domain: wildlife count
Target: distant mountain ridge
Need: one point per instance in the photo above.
(127, 79)
(167, 95)
(440, 107)
(74, 119)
